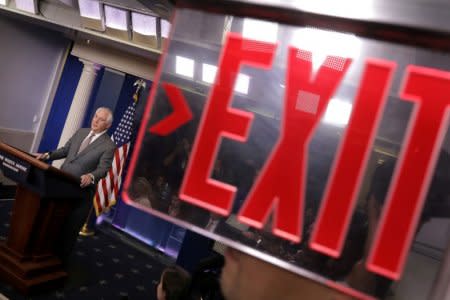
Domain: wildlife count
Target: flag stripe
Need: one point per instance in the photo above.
(105, 193)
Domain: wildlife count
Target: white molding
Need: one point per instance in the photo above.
(112, 58)
(21, 139)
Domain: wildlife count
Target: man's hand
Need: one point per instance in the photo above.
(86, 180)
(42, 156)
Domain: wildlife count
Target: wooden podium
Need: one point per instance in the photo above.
(43, 200)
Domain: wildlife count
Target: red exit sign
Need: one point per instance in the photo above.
(280, 186)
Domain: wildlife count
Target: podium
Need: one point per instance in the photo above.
(43, 200)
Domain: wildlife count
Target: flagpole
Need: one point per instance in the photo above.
(85, 231)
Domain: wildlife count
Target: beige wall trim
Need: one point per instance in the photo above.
(136, 65)
(17, 138)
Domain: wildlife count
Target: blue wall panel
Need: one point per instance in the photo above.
(107, 94)
(61, 104)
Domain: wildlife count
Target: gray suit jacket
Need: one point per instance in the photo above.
(96, 158)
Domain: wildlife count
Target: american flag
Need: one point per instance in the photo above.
(108, 187)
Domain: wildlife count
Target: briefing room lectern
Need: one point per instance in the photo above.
(42, 202)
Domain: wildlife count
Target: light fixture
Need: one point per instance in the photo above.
(260, 30)
(117, 21)
(143, 24)
(30, 6)
(144, 29)
(208, 73)
(338, 112)
(116, 18)
(242, 84)
(322, 43)
(90, 9)
(165, 31)
(184, 66)
(92, 16)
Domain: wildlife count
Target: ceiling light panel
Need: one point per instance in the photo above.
(116, 18)
(143, 24)
(90, 9)
(208, 73)
(165, 29)
(27, 5)
(338, 112)
(242, 84)
(184, 66)
(260, 30)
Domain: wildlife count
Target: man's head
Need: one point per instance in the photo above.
(102, 119)
(246, 277)
(173, 285)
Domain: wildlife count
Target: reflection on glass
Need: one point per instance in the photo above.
(260, 30)
(184, 66)
(338, 112)
(323, 43)
(208, 73)
(163, 159)
(348, 8)
(242, 84)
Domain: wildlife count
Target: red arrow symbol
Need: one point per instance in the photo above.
(181, 112)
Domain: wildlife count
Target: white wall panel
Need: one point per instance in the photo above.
(30, 60)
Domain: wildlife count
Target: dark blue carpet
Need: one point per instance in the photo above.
(102, 267)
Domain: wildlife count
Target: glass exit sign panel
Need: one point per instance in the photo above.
(320, 151)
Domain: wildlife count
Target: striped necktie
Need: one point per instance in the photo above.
(86, 142)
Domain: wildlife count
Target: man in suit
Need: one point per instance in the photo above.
(89, 154)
